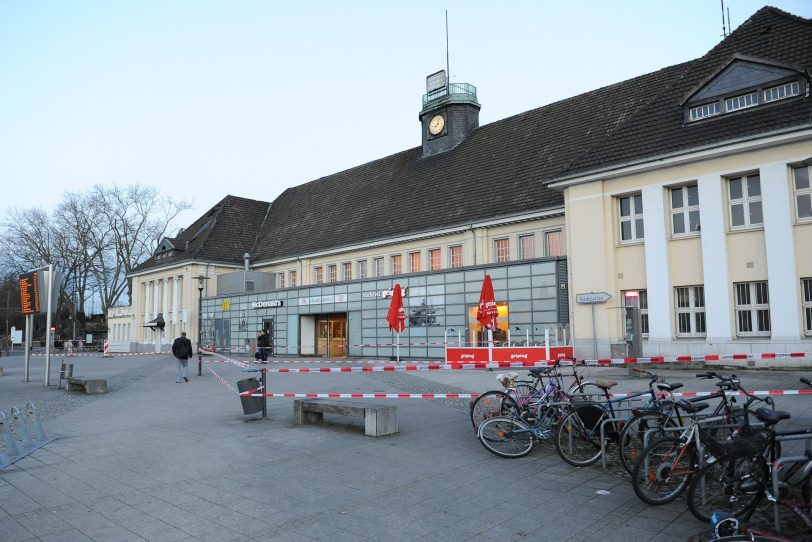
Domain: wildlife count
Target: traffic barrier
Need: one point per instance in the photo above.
(106, 348)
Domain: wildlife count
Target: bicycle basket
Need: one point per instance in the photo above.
(746, 441)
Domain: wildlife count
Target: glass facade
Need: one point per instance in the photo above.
(532, 296)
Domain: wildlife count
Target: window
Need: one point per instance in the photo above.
(378, 263)
(455, 256)
(280, 280)
(781, 91)
(752, 309)
(554, 243)
(806, 297)
(414, 262)
(319, 275)
(292, 277)
(346, 271)
(362, 269)
(502, 250)
(684, 210)
(434, 259)
(332, 273)
(702, 111)
(397, 267)
(689, 303)
(642, 299)
(803, 192)
(741, 102)
(745, 201)
(631, 218)
(527, 246)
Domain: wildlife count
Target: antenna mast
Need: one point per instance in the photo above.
(447, 65)
(724, 29)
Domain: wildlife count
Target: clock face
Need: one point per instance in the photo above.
(436, 124)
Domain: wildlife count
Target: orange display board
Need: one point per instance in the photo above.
(29, 293)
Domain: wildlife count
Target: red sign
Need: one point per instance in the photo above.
(517, 354)
(466, 355)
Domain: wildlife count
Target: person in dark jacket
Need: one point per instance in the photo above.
(262, 344)
(182, 350)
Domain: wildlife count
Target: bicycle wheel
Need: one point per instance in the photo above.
(506, 437)
(491, 404)
(663, 470)
(734, 486)
(577, 437)
(638, 432)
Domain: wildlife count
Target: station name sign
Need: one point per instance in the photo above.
(266, 304)
(592, 297)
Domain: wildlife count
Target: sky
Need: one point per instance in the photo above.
(207, 98)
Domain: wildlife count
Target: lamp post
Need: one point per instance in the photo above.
(200, 286)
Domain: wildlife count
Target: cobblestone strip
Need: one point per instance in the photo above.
(68, 401)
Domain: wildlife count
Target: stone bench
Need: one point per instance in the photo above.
(379, 419)
(88, 386)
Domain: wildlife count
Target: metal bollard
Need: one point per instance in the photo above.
(22, 429)
(9, 442)
(199, 365)
(35, 422)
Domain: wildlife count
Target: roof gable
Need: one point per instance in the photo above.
(741, 74)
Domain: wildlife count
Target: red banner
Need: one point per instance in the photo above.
(510, 353)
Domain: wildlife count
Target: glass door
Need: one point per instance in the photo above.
(331, 335)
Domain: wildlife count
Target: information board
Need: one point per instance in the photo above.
(29, 293)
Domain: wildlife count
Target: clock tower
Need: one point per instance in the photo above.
(450, 113)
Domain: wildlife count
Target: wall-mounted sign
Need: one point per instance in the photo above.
(265, 304)
(384, 294)
(323, 299)
(592, 297)
(226, 305)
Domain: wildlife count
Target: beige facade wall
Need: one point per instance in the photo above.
(598, 261)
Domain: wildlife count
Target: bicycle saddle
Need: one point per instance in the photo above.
(669, 387)
(771, 417)
(605, 384)
(691, 408)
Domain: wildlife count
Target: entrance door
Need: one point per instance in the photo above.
(267, 325)
(331, 335)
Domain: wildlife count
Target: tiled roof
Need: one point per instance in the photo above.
(501, 169)
(222, 235)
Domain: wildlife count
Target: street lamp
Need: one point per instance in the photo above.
(200, 286)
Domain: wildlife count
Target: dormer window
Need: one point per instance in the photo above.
(703, 111)
(782, 91)
(741, 102)
(744, 83)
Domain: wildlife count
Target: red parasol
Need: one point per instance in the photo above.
(396, 315)
(487, 311)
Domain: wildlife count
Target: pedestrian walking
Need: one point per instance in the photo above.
(182, 350)
(262, 344)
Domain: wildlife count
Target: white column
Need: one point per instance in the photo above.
(779, 240)
(155, 298)
(147, 301)
(657, 281)
(165, 304)
(176, 306)
(714, 258)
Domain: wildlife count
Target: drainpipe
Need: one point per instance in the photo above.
(473, 233)
(247, 258)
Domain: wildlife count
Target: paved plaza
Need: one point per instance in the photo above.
(160, 461)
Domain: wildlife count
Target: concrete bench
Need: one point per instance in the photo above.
(379, 419)
(88, 386)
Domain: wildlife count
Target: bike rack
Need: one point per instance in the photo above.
(17, 441)
(776, 479)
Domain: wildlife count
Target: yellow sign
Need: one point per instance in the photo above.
(226, 305)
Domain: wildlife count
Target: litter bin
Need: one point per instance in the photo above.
(250, 405)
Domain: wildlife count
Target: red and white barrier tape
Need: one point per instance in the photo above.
(100, 354)
(368, 395)
(708, 357)
(223, 381)
(807, 391)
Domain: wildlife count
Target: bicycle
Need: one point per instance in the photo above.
(512, 436)
(652, 421)
(746, 476)
(519, 395)
(666, 466)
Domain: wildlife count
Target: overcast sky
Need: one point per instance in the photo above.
(204, 99)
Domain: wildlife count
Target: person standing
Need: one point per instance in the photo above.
(262, 343)
(182, 350)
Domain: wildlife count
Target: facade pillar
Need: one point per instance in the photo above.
(656, 253)
(147, 300)
(714, 259)
(782, 282)
(176, 307)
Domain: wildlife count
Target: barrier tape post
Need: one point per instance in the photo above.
(264, 398)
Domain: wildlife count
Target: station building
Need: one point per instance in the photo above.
(685, 191)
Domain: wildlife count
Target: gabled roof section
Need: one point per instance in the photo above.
(222, 235)
(658, 127)
(167, 243)
(741, 73)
